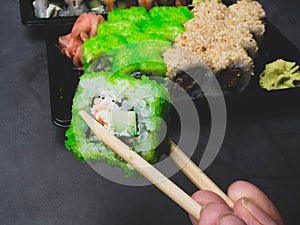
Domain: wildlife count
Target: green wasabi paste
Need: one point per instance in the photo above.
(280, 74)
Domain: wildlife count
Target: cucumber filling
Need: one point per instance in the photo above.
(107, 111)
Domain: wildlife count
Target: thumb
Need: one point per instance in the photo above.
(251, 213)
(250, 200)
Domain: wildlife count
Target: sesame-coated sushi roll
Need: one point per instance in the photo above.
(224, 38)
(136, 111)
(248, 14)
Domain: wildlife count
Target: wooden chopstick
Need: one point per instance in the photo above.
(143, 167)
(195, 174)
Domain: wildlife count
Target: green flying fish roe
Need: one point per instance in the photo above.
(147, 98)
(99, 45)
(146, 37)
(170, 14)
(170, 29)
(134, 14)
(121, 28)
(143, 57)
(149, 47)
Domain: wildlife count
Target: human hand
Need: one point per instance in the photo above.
(251, 206)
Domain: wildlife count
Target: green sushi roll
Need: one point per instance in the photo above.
(170, 14)
(146, 37)
(169, 29)
(134, 59)
(134, 14)
(99, 45)
(122, 28)
(143, 57)
(133, 110)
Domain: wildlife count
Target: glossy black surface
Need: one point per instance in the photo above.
(42, 183)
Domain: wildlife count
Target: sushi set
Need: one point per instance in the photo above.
(64, 77)
(110, 75)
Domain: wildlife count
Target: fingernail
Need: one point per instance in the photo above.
(230, 218)
(258, 213)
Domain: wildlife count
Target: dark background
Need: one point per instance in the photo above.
(42, 183)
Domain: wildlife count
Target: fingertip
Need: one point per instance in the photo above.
(211, 213)
(242, 212)
(204, 197)
(238, 189)
(244, 191)
(231, 219)
(251, 213)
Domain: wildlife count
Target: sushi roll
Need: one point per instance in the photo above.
(135, 110)
(98, 45)
(133, 14)
(179, 14)
(248, 14)
(134, 59)
(143, 57)
(225, 38)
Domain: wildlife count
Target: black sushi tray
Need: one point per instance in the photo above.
(254, 100)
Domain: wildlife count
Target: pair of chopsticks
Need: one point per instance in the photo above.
(190, 169)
